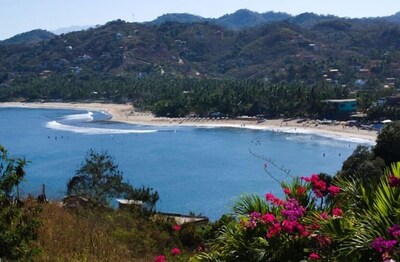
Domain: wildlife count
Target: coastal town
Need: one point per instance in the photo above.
(200, 131)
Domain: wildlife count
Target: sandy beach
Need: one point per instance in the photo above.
(126, 113)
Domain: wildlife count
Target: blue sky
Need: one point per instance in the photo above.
(17, 16)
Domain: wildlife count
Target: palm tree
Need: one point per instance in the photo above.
(370, 212)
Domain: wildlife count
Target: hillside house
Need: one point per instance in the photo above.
(393, 100)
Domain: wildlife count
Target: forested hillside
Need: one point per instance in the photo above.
(284, 67)
(303, 48)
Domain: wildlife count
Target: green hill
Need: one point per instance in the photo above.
(31, 37)
(302, 48)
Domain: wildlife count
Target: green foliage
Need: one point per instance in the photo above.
(388, 143)
(249, 203)
(259, 231)
(364, 165)
(370, 212)
(100, 180)
(174, 97)
(346, 228)
(18, 220)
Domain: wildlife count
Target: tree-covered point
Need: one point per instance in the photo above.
(177, 97)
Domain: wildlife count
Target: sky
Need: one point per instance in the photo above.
(18, 16)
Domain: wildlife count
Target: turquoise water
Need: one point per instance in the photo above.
(194, 169)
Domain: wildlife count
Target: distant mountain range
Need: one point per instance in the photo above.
(70, 29)
(271, 46)
(245, 18)
(240, 19)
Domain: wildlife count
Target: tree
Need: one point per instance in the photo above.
(388, 143)
(364, 165)
(371, 215)
(19, 220)
(99, 180)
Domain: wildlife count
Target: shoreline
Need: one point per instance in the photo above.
(126, 113)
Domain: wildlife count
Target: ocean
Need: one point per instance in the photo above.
(200, 170)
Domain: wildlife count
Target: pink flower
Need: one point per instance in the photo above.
(318, 193)
(176, 227)
(289, 226)
(269, 196)
(323, 241)
(293, 210)
(334, 190)
(381, 245)
(273, 199)
(337, 212)
(324, 215)
(287, 191)
(301, 190)
(175, 251)
(307, 179)
(314, 256)
(268, 218)
(394, 231)
(394, 181)
(315, 178)
(160, 258)
(319, 185)
(274, 230)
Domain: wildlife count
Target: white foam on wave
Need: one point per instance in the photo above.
(299, 131)
(93, 130)
(329, 136)
(87, 117)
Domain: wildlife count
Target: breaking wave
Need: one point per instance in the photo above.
(87, 117)
(93, 130)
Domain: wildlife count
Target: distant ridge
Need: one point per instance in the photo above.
(31, 37)
(180, 18)
(394, 18)
(245, 18)
(70, 29)
(241, 19)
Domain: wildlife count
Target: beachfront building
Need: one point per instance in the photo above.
(339, 109)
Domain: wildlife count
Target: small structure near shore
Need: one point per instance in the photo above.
(185, 219)
(125, 203)
(72, 201)
(340, 109)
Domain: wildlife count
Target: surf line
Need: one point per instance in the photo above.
(94, 130)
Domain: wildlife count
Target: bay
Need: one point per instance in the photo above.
(200, 170)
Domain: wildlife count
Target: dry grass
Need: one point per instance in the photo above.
(70, 236)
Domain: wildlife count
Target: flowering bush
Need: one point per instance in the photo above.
(160, 258)
(175, 251)
(176, 227)
(283, 229)
(317, 220)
